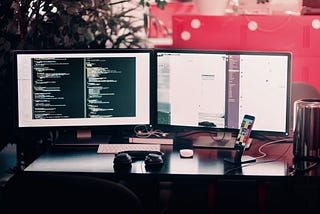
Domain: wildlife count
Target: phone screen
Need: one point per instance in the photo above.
(245, 130)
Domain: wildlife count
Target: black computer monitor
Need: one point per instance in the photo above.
(83, 89)
(213, 90)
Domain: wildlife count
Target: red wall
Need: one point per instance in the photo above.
(160, 22)
(297, 34)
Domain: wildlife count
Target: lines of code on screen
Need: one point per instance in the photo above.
(90, 87)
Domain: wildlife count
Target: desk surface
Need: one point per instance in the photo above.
(205, 164)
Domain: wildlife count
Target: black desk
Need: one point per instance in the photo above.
(267, 185)
(206, 164)
(205, 170)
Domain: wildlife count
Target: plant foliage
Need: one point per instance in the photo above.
(66, 24)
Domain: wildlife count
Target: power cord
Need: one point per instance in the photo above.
(302, 165)
(292, 170)
(296, 171)
(217, 139)
(287, 140)
(147, 131)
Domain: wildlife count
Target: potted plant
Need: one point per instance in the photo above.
(65, 24)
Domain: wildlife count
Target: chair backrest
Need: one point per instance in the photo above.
(68, 193)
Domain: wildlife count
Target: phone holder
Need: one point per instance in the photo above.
(239, 158)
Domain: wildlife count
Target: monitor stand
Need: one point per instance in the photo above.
(223, 140)
(81, 137)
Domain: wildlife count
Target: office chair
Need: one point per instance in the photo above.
(68, 193)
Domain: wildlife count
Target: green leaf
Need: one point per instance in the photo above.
(161, 4)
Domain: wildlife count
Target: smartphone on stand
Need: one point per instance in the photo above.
(242, 141)
(245, 130)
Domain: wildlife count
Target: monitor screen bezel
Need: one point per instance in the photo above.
(93, 127)
(254, 133)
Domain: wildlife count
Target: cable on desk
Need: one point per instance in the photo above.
(287, 140)
(303, 161)
(266, 161)
(295, 171)
(215, 139)
(145, 131)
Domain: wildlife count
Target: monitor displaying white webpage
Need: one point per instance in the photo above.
(216, 89)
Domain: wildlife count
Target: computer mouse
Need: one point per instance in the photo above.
(186, 153)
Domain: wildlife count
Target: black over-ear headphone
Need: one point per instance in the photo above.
(124, 159)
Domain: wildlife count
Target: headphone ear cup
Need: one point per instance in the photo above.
(122, 160)
(153, 160)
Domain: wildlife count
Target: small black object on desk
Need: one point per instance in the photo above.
(123, 160)
(181, 142)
